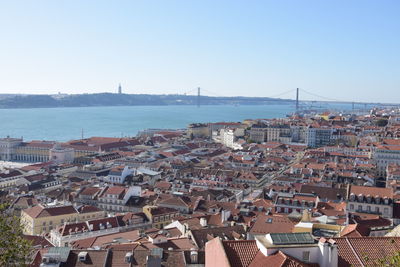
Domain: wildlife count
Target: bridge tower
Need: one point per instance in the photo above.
(198, 97)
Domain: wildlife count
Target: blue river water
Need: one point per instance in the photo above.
(62, 124)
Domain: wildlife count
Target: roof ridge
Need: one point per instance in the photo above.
(238, 241)
(368, 237)
(354, 252)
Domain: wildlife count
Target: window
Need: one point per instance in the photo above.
(385, 210)
(368, 208)
(359, 208)
(377, 209)
(351, 206)
(44, 223)
(306, 256)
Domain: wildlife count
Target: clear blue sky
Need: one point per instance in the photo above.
(339, 49)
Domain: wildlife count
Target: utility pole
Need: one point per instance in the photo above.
(198, 97)
(297, 100)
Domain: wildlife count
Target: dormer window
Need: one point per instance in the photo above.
(386, 201)
(360, 198)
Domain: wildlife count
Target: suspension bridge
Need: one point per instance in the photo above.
(309, 101)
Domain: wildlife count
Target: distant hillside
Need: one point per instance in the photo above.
(109, 99)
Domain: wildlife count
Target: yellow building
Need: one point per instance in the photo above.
(159, 216)
(39, 151)
(39, 219)
(35, 151)
(306, 225)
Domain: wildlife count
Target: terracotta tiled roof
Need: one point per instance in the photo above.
(40, 211)
(278, 259)
(373, 191)
(162, 210)
(38, 241)
(71, 228)
(101, 241)
(355, 230)
(93, 258)
(87, 209)
(163, 185)
(26, 201)
(240, 253)
(371, 220)
(183, 243)
(115, 190)
(266, 224)
(324, 192)
(200, 236)
(174, 201)
(363, 251)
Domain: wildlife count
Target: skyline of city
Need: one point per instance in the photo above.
(260, 48)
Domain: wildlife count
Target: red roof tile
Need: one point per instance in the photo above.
(240, 253)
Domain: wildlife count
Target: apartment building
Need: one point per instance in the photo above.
(279, 133)
(270, 133)
(375, 200)
(8, 146)
(318, 136)
(70, 232)
(115, 198)
(385, 155)
(298, 202)
(40, 219)
(160, 216)
(118, 174)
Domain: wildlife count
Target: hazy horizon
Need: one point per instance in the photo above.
(339, 50)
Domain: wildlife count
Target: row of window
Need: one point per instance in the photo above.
(369, 209)
(163, 218)
(107, 207)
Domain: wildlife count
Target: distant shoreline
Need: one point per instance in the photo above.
(166, 105)
(109, 99)
(122, 100)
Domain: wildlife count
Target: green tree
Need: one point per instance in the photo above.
(15, 250)
(392, 260)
